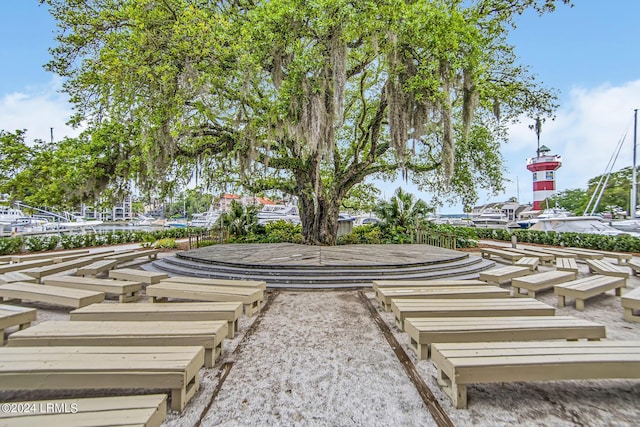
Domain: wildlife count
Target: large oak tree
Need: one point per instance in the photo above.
(307, 97)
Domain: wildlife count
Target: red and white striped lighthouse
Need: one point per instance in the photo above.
(544, 168)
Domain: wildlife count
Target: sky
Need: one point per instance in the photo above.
(588, 53)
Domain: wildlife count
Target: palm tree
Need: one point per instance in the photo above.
(403, 210)
(240, 220)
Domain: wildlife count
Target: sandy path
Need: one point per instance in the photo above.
(303, 367)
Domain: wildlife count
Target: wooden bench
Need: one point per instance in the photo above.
(259, 284)
(540, 282)
(586, 288)
(634, 265)
(462, 364)
(567, 264)
(47, 270)
(42, 255)
(16, 276)
(551, 251)
(125, 291)
(19, 266)
(130, 256)
(621, 257)
(148, 277)
(530, 262)
(605, 268)
(148, 410)
(83, 368)
(385, 295)
(65, 258)
(631, 301)
(55, 295)
(377, 284)
(97, 267)
(425, 331)
(250, 298)
(544, 258)
(510, 256)
(478, 307)
(580, 253)
(209, 334)
(503, 274)
(11, 315)
(143, 312)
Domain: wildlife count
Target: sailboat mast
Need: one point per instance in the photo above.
(634, 181)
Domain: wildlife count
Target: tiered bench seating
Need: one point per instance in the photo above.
(539, 282)
(377, 284)
(503, 274)
(385, 295)
(621, 257)
(556, 253)
(184, 311)
(148, 410)
(250, 298)
(635, 266)
(65, 258)
(11, 315)
(97, 267)
(130, 256)
(19, 266)
(566, 264)
(83, 368)
(580, 253)
(48, 270)
(630, 302)
(209, 334)
(125, 291)
(16, 276)
(599, 266)
(478, 307)
(425, 331)
(55, 295)
(586, 288)
(463, 364)
(259, 284)
(43, 255)
(530, 262)
(545, 258)
(502, 253)
(135, 275)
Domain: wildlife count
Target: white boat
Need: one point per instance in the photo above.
(272, 213)
(579, 224)
(546, 214)
(366, 219)
(490, 218)
(206, 219)
(144, 220)
(9, 215)
(627, 225)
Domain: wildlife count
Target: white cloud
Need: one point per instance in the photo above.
(37, 110)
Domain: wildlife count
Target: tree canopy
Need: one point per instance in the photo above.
(308, 98)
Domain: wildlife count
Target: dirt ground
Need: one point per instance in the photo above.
(318, 358)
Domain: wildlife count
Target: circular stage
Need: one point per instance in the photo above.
(293, 265)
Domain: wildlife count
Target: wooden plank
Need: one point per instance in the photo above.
(543, 257)
(539, 282)
(130, 256)
(503, 274)
(634, 265)
(16, 276)
(125, 291)
(599, 266)
(502, 253)
(566, 264)
(42, 255)
(97, 267)
(385, 295)
(460, 364)
(621, 257)
(50, 368)
(260, 284)
(480, 307)
(425, 331)
(143, 410)
(136, 275)
(209, 334)
(11, 315)
(19, 266)
(185, 311)
(630, 302)
(47, 270)
(588, 287)
(530, 262)
(50, 294)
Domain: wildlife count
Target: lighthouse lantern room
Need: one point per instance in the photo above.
(543, 167)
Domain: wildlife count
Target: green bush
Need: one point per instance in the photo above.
(166, 243)
(11, 245)
(41, 243)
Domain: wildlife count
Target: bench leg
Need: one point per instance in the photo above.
(180, 396)
(560, 300)
(209, 358)
(457, 392)
(159, 299)
(618, 292)
(1, 337)
(387, 307)
(580, 304)
(629, 316)
(399, 324)
(24, 325)
(422, 350)
(129, 298)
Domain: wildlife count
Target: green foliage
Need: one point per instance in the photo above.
(11, 245)
(41, 243)
(402, 211)
(240, 220)
(166, 244)
(362, 234)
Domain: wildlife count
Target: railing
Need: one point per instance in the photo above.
(430, 237)
(197, 240)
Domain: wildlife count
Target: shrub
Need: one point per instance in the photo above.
(11, 245)
(166, 243)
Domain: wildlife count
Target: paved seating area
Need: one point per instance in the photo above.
(587, 287)
(148, 410)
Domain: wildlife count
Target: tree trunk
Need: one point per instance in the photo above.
(319, 220)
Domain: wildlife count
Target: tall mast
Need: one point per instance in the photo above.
(634, 182)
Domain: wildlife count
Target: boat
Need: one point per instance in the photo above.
(579, 224)
(490, 218)
(176, 223)
(627, 225)
(205, 219)
(272, 213)
(144, 220)
(546, 214)
(9, 215)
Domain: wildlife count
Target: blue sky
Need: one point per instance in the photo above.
(589, 53)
